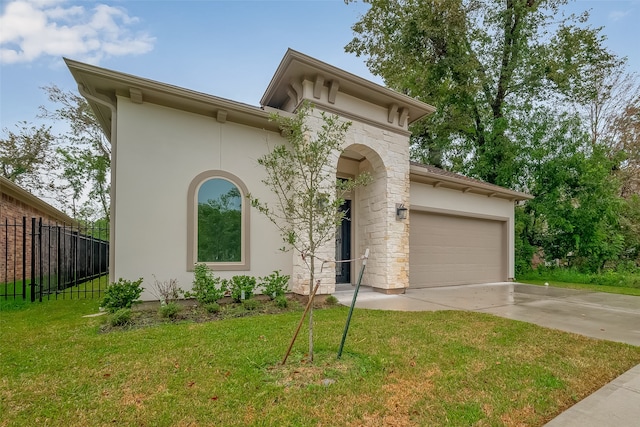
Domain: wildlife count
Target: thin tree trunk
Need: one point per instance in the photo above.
(311, 280)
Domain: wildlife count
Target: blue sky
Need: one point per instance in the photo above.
(225, 48)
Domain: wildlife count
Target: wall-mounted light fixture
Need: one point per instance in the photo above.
(401, 211)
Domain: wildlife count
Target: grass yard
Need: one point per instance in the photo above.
(625, 283)
(398, 369)
(584, 286)
(11, 293)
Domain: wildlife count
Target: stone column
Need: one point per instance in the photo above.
(387, 155)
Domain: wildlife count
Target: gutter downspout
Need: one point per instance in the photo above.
(112, 191)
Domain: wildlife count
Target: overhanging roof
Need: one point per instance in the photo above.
(107, 84)
(296, 66)
(15, 191)
(437, 177)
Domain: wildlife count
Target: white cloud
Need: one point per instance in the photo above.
(616, 15)
(32, 29)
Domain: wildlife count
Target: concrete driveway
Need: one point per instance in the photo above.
(594, 314)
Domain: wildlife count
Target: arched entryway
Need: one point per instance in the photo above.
(371, 221)
(373, 224)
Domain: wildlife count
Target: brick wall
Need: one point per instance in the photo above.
(12, 211)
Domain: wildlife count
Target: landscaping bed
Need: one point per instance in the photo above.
(149, 313)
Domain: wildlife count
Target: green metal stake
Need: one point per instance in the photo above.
(353, 303)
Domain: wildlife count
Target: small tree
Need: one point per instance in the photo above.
(308, 196)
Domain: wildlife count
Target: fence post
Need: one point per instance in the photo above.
(6, 257)
(40, 260)
(24, 258)
(33, 258)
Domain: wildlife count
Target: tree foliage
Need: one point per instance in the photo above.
(70, 168)
(308, 196)
(526, 97)
(630, 224)
(27, 156)
(84, 153)
(576, 207)
(480, 64)
(627, 141)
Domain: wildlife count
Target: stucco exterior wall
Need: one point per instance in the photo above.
(425, 197)
(160, 151)
(167, 136)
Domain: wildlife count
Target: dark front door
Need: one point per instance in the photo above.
(343, 245)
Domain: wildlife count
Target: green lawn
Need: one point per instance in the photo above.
(413, 368)
(626, 283)
(91, 288)
(584, 286)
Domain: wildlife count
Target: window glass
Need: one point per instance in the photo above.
(219, 221)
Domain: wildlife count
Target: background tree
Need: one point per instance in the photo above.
(627, 125)
(72, 168)
(480, 64)
(526, 97)
(27, 157)
(576, 207)
(308, 197)
(630, 226)
(611, 107)
(85, 155)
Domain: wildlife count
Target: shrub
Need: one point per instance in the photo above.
(251, 304)
(120, 317)
(212, 307)
(331, 300)
(169, 311)
(121, 294)
(167, 291)
(239, 284)
(281, 301)
(274, 284)
(207, 288)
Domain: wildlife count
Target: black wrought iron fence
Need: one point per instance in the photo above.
(46, 260)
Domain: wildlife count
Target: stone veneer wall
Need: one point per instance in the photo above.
(387, 155)
(377, 228)
(324, 269)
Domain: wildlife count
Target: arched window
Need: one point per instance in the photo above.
(218, 222)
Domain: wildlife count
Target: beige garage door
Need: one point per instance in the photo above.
(452, 250)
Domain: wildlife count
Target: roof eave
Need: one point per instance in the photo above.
(420, 174)
(300, 65)
(109, 84)
(15, 191)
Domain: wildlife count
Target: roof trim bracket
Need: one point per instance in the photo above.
(393, 110)
(404, 115)
(135, 95)
(333, 90)
(295, 91)
(317, 86)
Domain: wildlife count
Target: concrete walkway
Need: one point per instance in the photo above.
(593, 314)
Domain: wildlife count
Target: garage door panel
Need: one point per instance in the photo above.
(451, 250)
